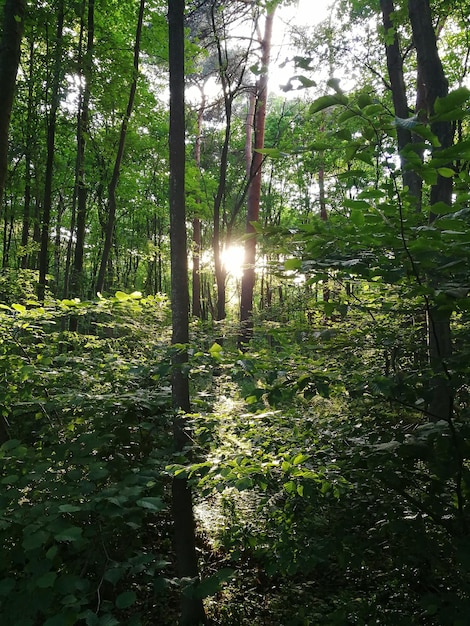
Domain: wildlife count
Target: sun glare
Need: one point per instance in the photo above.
(233, 258)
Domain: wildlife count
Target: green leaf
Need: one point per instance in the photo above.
(72, 533)
(441, 208)
(120, 295)
(215, 350)
(210, 586)
(300, 458)
(334, 84)
(348, 114)
(69, 508)
(373, 109)
(446, 172)
(364, 100)
(274, 153)
(46, 580)
(306, 82)
(454, 100)
(356, 204)
(152, 504)
(126, 599)
(52, 552)
(426, 133)
(35, 540)
(114, 574)
(292, 264)
(324, 102)
(10, 479)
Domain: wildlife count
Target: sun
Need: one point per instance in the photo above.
(233, 259)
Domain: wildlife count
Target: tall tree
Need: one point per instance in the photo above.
(398, 89)
(192, 610)
(51, 134)
(231, 69)
(254, 191)
(80, 193)
(436, 86)
(13, 21)
(196, 282)
(112, 188)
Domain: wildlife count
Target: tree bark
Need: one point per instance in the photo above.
(76, 280)
(25, 228)
(13, 21)
(192, 610)
(48, 178)
(254, 191)
(196, 282)
(112, 202)
(400, 102)
(435, 85)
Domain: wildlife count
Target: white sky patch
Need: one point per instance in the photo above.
(304, 13)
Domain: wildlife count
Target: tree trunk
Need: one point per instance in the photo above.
(76, 282)
(192, 610)
(436, 85)
(254, 191)
(219, 269)
(25, 228)
(13, 21)
(196, 282)
(400, 102)
(51, 130)
(111, 216)
(249, 128)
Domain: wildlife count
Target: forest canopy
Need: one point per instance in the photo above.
(234, 313)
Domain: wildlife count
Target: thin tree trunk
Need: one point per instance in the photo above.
(254, 191)
(24, 258)
(220, 273)
(51, 130)
(111, 217)
(13, 21)
(249, 128)
(192, 610)
(196, 282)
(323, 212)
(76, 283)
(57, 244)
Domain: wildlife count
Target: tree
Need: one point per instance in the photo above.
(49, 168)
(80, 192)
(398, 89)
(13, 22)
(192, 610)
(112, 201)
(254, 192)
(436, 86)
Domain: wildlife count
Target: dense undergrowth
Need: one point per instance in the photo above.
(323, 494)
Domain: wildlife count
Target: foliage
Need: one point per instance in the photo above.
(326, 490)
(83, 489)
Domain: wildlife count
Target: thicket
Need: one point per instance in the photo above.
(326, 489)
(324, 492)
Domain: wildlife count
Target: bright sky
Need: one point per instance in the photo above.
(303, 13)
